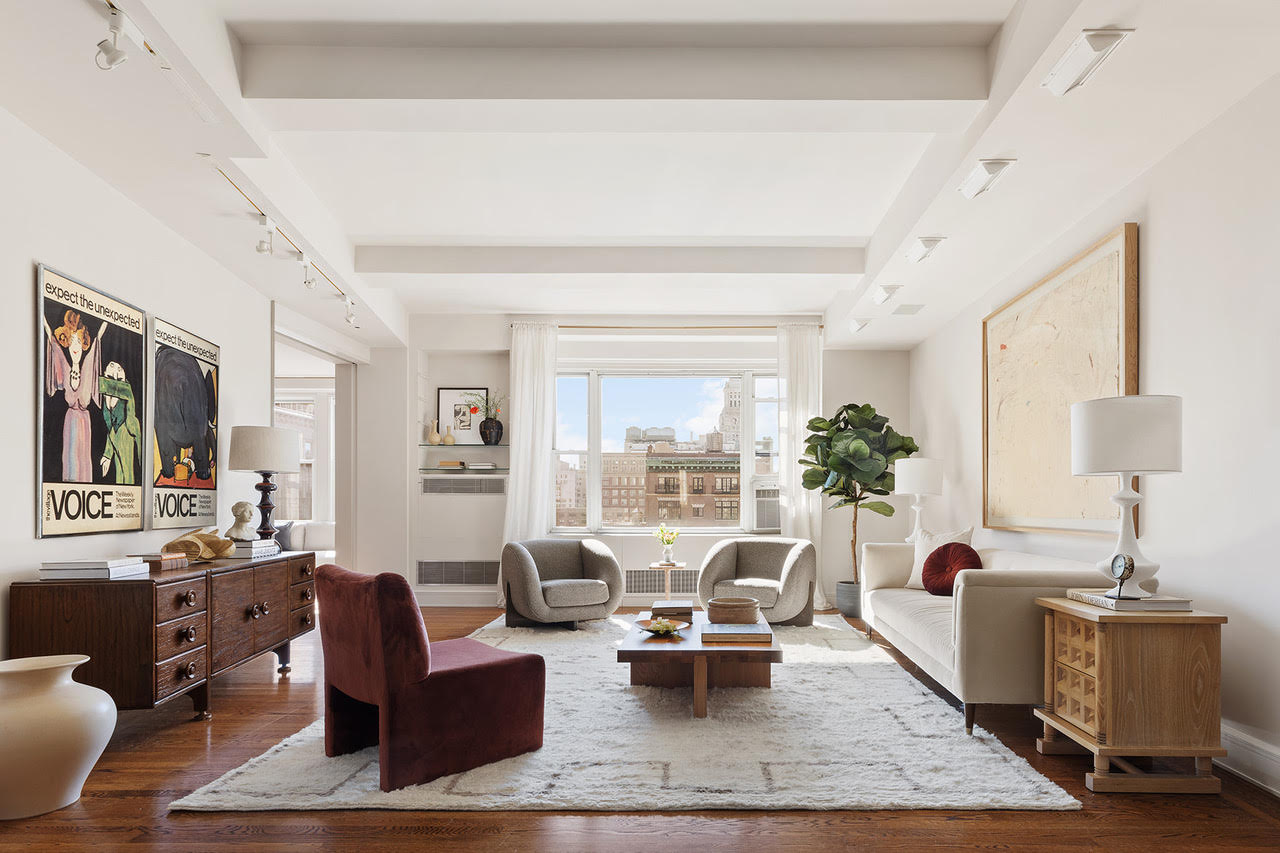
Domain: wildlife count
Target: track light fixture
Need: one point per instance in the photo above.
(110, 55)
(308, 277)
(351, 312)
(266, 245)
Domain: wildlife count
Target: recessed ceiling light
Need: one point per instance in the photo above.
(983, 177)
(922, 247)
(1082, 59)
(912, 308)
(884, 292)
(857, 324)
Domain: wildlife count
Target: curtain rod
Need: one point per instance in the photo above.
(672, 328)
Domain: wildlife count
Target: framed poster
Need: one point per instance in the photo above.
(454, 412)
(1072, 336)
(184, 441)
(91, 409)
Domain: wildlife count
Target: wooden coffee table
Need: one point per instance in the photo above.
(685, 661)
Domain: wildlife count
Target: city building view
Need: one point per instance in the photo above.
(662, 477)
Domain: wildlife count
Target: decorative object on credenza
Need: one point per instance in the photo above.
(54, 730)
(185, 439)
(917, 477)
(90, 409)
(454, 409)
(488, 407)
(733, 610)
(201, 546)
(242, 531)
(667, 536)
(433, 434)
(1070, 337)
(267, 451)
(848, 457)
(1131, 435)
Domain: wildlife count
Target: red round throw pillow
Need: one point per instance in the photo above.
(947, 561)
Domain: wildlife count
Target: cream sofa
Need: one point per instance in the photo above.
(985, 643)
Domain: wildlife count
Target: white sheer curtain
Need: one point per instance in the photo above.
(533, 423)
(800, 370)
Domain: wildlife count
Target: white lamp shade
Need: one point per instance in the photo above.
(1136, 434)
(260, 448)
(917, 476)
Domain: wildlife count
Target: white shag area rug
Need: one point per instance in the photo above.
(843, 727)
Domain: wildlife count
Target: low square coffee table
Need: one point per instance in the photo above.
(685, 661)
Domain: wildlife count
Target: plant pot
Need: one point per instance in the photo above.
(54, 729)
(849, 599)
(491, 431)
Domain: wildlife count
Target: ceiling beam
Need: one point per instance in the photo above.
(569, 260)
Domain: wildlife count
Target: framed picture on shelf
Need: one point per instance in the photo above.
(456, 410)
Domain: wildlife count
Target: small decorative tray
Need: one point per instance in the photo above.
(661, 627)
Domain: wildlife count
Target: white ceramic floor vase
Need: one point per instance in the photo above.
(52, 732)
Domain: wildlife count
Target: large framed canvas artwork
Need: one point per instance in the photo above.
(184, 441)
(91, 409)
(1072, 336)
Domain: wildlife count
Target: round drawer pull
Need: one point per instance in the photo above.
(307, 619)
(190, 598)
(188, 671)
(265, 609)
(190, 634)
(308, 594)
(256, 611)
(308, 570)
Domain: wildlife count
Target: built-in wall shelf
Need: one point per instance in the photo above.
(473, 472)
(459, 446)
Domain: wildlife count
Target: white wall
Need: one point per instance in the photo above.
(385, 462)
(58, 213)
(1209, 300)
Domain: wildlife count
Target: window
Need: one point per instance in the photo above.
(294, 495)
(307, 405)
(633, 450)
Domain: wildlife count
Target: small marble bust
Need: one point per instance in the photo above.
(242, 531)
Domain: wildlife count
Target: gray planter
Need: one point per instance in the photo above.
(849, 598)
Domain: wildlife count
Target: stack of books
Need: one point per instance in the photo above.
(714, 632)
(162, 560)
(482, 466)
(682, 610)
(451, 464)
(1098, 598)
(96, 569)
(256, 548)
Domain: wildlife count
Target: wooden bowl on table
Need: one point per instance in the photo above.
(733, 611)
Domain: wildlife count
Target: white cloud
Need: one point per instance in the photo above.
(712, 403)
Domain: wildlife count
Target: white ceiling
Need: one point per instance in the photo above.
(705, 156)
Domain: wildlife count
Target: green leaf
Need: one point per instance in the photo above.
(819, 424)
(849, 445)
(832, 479)
(880, 507)
(813, 478)
(846, 502)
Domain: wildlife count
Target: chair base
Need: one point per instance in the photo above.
(804, 618)
(515, 619)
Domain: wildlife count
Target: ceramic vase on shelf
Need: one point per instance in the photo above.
(52, 732)
(448, 436)
(668, 553)
(433, 435)
(491, 431)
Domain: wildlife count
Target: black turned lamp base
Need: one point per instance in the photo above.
(266, 530)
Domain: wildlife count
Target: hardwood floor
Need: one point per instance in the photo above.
(158, 756)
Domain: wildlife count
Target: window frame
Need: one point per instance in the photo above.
(748, 480)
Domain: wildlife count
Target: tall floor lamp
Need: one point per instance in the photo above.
(917, 476)
(268, 451)
(1135, 434)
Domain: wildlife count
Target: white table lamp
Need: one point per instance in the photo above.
(917, 476)
(1131, 435)
(268, 451)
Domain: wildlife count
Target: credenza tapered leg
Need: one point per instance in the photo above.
(200, 698)
(282, 656)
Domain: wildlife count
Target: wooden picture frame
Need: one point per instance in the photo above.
(466, 426)
(1071, 336)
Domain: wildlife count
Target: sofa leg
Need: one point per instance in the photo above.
(970, 711)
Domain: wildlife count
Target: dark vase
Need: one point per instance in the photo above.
(849, 599)
(491, 431)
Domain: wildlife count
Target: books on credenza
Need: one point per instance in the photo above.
(92, 563)
(134, 570)
(1098, 598)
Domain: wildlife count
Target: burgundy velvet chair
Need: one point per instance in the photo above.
(432, 708)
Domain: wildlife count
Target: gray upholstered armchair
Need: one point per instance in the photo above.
(779, 573)
(559, 580)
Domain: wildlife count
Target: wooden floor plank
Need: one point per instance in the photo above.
(157, 756)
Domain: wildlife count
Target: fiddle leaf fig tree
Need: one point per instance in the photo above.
(849, 457)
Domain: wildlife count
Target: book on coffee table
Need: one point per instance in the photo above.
(714, 632)
(682, 610)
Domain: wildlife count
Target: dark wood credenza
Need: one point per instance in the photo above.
(154, 638)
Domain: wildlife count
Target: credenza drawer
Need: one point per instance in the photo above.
(1075, 698)
(302, 568)
(181, 598)
(181, 635)
(302, 594)
(302, 620)
(181, 672)
(1075, 643)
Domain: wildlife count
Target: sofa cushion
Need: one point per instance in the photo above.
(926, 545)
(762, 590)
(575, 592)
(942, 566)
(926, 620)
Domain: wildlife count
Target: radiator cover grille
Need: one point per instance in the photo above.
(649, 582)
(456, 484)
(472, 572)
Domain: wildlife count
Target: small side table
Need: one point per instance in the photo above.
(1122, 684)
(666, 569)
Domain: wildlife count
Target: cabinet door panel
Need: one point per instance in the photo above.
(271, 593)
(232, 628)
